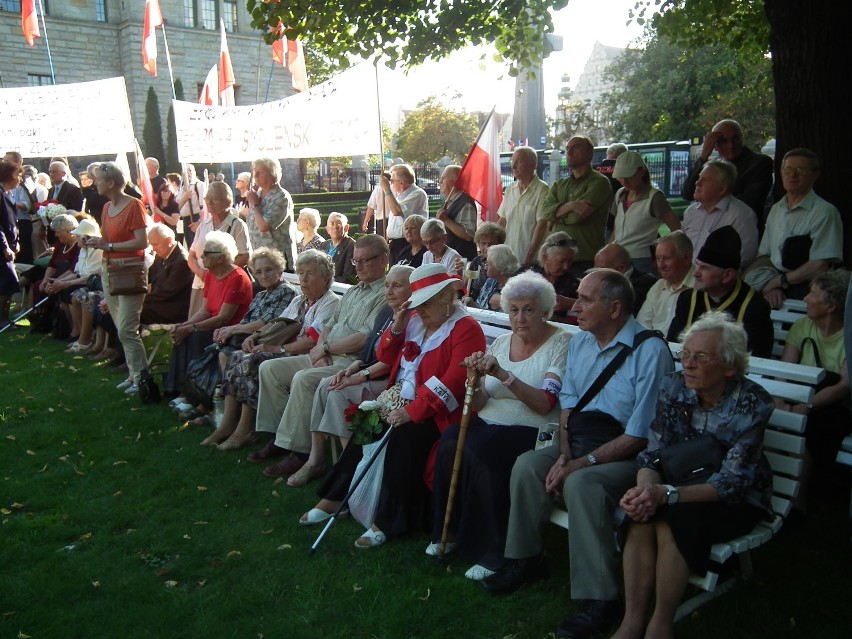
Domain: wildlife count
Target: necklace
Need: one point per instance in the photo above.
(65, 249)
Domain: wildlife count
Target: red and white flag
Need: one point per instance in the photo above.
(226, 71)
(480, 174)
(143, 179)
(278, 54)
(153, 19)
(210, 91)
(29, 21)
(296, 65)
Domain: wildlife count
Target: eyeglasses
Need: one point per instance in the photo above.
(795, 170)
(702, 359)
(365, 260)
(211, 252)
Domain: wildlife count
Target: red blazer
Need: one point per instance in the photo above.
(440, 369)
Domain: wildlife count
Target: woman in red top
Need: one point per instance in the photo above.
(123, 234)
(227, 296)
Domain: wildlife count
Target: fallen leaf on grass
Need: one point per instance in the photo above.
(117, 493)
(21, 635)
(187, 537)
(426, 598)
(77, 472)
(96, 584)
(284, 547)
(356, 588)
(11, 438)
(63, 458)
(74, 369)
(202, 583)
(199, 523)
(275, 493)
(171, 583)
(139, 436)
(119, 462)
(49, 409)
(30, 452)
(44, 468)
(234, 553)
(267, 532)
(17, 505)
(8, 614)
(22, 410)
(201, 489)
(278, 481)
(88, 535)
(5, 511)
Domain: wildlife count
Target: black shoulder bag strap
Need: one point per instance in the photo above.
(613, 366)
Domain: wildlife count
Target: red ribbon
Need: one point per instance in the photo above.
(432, 279)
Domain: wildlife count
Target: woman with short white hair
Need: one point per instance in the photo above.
(500, 266)
(307, 224)
(270, 211)
(434, 235)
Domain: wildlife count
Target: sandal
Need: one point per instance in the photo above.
(371, 538)
(305, 475)
(432, 549)
(79, 349)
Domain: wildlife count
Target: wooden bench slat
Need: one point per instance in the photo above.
(784, 464)
(784, 442)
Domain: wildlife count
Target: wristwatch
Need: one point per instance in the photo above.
(672, 494)
(366, 373)
(109, 247)
(593, 461)
(325, 348)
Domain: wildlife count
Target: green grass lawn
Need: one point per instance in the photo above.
(116, 523)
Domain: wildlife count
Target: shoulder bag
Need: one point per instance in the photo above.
(127, 275)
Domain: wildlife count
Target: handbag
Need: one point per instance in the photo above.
(202, 376)
(691, 461)
(149, 392)
(831, 378)
(278, 331)
(127, 275)
(396, 227)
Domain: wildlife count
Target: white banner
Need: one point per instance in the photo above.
(84, 118)
(337, 117)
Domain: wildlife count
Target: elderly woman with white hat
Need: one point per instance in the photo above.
(425, 345)
(639, 209)
(425, 350)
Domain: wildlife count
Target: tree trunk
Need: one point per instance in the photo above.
(811, 60)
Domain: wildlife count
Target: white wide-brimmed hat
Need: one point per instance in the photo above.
(429, 280)
(88, 228)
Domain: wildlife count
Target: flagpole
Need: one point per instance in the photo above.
(379, 114)
(269, 81)
(168, 59)
(46, 42)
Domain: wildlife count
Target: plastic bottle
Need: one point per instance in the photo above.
(218, 406)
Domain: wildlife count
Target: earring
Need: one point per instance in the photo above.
(544, 320)
(448, 311)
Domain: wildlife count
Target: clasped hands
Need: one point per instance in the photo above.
(640, 503)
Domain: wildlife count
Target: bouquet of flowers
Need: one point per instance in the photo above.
(366, 421)
(48, 210)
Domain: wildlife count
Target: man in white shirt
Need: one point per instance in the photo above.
(715, 207)
(673, 256)
(403, 198)
(521, 212)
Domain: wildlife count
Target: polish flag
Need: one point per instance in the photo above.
(278, 54)
(296, 65)
(143, 179)
(480, 174)
(226, 71)
(153, 19)
(210, 91)
(29, 21)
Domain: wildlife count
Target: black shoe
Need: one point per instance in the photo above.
(596, 616)
(515, 574)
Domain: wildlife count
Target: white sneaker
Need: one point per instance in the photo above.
(432, 549)
(176, 401)
(182, 408)
(127, 383)
(478, 573)
(131, 390)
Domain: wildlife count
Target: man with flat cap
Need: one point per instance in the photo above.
(718, 287)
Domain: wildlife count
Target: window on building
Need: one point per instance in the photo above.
(100, 10)
(10, 5)
(230, 17)
(209, 10)
(189, 19)
(38, 80)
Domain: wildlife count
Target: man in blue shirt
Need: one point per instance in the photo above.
(590, 484)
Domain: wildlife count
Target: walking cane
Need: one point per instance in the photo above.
(470, 388)
(382, 443)
(24, 314)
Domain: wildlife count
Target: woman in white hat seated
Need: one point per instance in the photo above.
(425, 349)
(79, 284)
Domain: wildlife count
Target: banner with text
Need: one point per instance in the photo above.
(337, 117)
(84, 118)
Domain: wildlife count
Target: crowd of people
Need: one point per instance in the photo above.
(589, 421)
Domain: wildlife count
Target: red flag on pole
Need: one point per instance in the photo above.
(29, 21)
(153, 19)
(226, 71)
(480, 174)
(210, 90)
(278, 54)
(296, 65)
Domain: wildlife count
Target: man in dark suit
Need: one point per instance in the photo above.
(169, 279)
(61, 190)
(616, 257)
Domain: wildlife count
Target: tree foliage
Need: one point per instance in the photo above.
(152, 131)
(407, 32)
(431, 132)
(668, 92)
